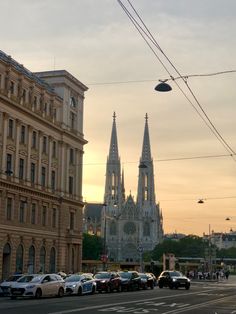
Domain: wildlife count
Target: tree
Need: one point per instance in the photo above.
(189, 246)
(92, 247)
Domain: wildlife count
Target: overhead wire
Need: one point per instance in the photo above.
(148, 34)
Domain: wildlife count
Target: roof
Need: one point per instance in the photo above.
(93, 211)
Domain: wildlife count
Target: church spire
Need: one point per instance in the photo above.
(146, 189)
(113, 189)
(146, 150)
(113, 152)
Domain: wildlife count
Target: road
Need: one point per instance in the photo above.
(202, 298)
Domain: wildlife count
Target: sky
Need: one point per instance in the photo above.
(96, 42)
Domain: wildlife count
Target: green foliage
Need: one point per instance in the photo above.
(190, 246)
(92, 247)
(227, 253)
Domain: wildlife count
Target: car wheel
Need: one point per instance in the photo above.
(160, 285)
(152, 286)
(171, 286)
(93, 290)
(119, 289)
(13, 297)
(80, 291)
(187, 287)
(38, 293)
(109, 289)
(60, 292)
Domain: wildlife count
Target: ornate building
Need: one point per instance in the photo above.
(41, 151)
(130, 227)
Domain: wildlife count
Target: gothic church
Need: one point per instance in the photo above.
(130, 227)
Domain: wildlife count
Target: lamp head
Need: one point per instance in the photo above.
(163, 87)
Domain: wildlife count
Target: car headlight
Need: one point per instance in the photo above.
(74, 286)
(103, 281)
(174, 279)
(30, 287)
(188, 279)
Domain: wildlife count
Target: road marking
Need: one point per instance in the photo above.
(79, 309)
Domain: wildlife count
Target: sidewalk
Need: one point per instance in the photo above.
(231, 280)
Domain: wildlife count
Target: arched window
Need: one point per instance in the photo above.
(113, 228)
(31, 263)
(42, 260)
(19, 259)
(146, 229)
(52, 265)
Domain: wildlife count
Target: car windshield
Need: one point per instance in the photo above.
(125, 275)
(102, 276)
(73, 278)
(25, 278)
(175, 274)
(143, 275)
(37, 279)
(14, 278)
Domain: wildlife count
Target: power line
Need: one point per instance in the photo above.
(146, 35)
(163, 160)
(154, 80)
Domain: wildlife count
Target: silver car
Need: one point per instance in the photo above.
(38, 286)
(80, 284)
(5, 286)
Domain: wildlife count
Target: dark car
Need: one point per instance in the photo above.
(173, 279)
(108, 281)
(147, 280)
(130, 280)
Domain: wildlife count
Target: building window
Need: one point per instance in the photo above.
(72, 120)
(33, 213)
(9, 208)
(22, 134)
(35, 102)
(21, 168)
(34, 139)
(43, 176)
(54, 149)
(9, 165)
(53, 179)
(54, 217)
(24, 95)
(71, 155)
(12, 87)
(44, 144)
(44, 215)
(73, 102)
(71, 185)
(22, 211)
(72, 220)
(10, 128)
(32, 173)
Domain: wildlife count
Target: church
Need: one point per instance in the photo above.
(130, 227)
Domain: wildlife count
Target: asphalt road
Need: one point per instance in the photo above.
(202, 298)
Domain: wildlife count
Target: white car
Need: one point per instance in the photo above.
(6, 284)
(39, 286)
(80, 284)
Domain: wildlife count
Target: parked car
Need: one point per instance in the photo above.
(108, 281)
(39, 286)
(147, 281)
(6, 284)
(130, 280)
(80, 284)
(173, 279)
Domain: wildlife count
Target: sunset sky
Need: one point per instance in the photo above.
(96, 42)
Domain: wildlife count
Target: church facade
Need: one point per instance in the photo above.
(130, 227)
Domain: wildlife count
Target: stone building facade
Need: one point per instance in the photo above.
(41, 155)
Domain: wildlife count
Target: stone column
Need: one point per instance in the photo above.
(29, 145)
(61, 173)
(17, 134)
(4, 141)
(40, 144)
(50, 139)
